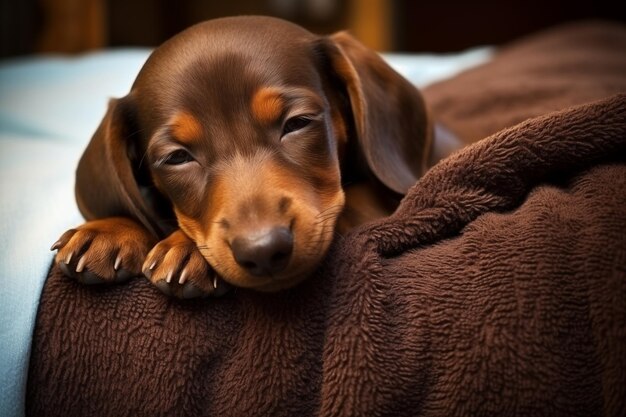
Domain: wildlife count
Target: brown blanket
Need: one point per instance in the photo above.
(497, 288)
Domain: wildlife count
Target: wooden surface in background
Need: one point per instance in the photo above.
(73, 26)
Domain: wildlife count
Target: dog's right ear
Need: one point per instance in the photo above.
(390, 117)
(106, 178)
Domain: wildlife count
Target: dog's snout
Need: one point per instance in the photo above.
(264, 253)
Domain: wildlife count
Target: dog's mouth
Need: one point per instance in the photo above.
(267, 281)
(271, 259)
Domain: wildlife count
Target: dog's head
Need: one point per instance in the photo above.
(241, 130)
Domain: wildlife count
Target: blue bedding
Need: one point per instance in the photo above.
(49, 107)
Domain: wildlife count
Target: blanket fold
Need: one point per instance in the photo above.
(497, 288)
(497, 173)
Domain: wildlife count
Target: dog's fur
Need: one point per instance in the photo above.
(243, 129)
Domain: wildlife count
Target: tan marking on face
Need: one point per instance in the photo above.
(186, 127)
(267, 105)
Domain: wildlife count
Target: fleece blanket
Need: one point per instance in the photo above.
(498, 287)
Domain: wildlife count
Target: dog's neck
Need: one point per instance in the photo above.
(365, 202)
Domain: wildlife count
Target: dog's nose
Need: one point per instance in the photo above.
(264, 253)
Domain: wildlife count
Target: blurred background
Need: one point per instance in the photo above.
(74, 26)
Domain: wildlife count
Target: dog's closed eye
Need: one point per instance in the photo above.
(178, 157)
(296, 123)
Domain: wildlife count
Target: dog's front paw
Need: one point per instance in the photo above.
(176, 267)
(103, 251)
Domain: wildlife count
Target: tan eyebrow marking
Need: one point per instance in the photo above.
(267, 104)
(186, 127)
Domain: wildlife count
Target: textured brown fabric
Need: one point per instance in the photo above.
(573, 64)
(497, 288)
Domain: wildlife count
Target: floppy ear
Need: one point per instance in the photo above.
(106, 178)
(390, 117)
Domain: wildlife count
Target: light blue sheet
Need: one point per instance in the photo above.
(49, 107)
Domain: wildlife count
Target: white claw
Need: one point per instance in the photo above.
(81, 264)
(183, 277)
(169, 277)
(69, 258)
(118, 261)
(151, 267)
(215, 283)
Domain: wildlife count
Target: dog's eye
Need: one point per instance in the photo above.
(295, 123)
(178, 157)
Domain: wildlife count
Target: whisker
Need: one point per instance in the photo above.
(324, 222)
(330, 216)
(329, 212)
(335, 207)
(331, 209)
(327, 216)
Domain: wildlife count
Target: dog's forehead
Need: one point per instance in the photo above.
(218, 62)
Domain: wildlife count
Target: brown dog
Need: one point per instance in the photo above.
(242, 145)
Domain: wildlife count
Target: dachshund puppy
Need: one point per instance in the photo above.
(242, 146)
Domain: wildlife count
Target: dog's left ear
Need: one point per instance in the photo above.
(390, 116)
(107, 175)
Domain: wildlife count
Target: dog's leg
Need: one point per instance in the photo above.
(176, 266)
(104, 251)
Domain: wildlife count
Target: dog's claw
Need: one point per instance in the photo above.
(56, 245)
(168, 279)
(183, 277)
(69, 258)
(215, 282)
(81, 264)
(118, 261)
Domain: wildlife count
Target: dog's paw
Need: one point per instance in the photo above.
(176, 267)
(103, 251)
